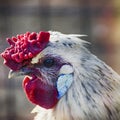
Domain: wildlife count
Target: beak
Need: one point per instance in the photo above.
(13, 74)
(21, 72)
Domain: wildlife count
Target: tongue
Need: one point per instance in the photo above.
(40, 93)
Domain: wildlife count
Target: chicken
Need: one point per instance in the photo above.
(63, 78)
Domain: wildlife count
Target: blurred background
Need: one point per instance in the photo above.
(99, 19)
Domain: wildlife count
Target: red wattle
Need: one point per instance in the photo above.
(40, 93)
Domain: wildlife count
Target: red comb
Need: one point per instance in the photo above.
(23, 48)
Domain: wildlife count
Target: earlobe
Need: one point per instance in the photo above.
(66, 69)
(65, 80)
(63, 84)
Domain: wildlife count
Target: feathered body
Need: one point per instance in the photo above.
(93, 94)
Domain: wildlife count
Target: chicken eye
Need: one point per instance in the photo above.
(48, 62)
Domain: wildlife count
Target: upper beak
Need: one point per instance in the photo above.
(21, 72)
(13, 74)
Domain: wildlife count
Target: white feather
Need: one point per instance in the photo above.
(94, 93)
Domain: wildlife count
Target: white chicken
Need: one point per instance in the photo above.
(64, 79)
